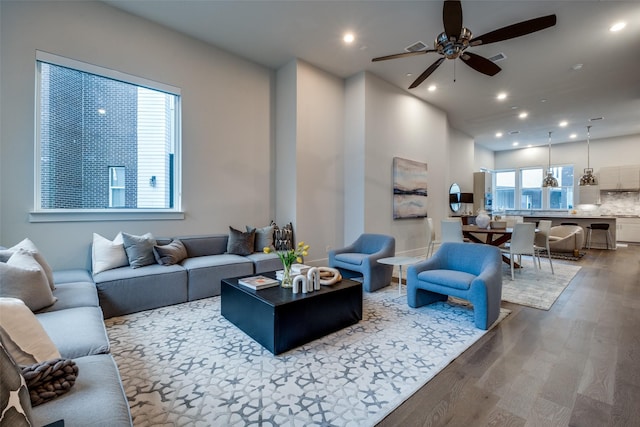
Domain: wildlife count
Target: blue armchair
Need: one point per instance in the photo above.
(471, 271)
(361, 259)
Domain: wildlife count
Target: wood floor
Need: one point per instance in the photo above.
(577, 364)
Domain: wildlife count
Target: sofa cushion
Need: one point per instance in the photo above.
(96, 399)
(264, 237)
(74, 294)
(204, 245)
(265, 262)
(22, 277)
(23, 336)
(126, 290)
(449, 278)
(107, 254)
(15, 405)
(171, 253)
(76, 331)
(30, 247)
(72, 276)
(352, 258)
(139, 249)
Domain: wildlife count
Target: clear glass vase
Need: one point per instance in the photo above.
(287, 281)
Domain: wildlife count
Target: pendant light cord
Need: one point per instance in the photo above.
(588, 151)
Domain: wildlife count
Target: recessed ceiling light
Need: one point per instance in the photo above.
(523, 115)
(432, 88)
(617, 26)
(573, 136)
(563, 123)
(501, 96)
(515, 143)
(498, 134)
(543, 100)
(348, 38)
(409, 74)
(577, 67)
(514, 107)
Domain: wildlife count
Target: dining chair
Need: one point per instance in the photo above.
(431, 237)
(541, 242)
(522, 243)
(451, 230)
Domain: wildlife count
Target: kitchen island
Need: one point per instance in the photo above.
(598, 238)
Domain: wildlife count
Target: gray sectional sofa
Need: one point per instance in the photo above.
(127, 290)
(75, 325)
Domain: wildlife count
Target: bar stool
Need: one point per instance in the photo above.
(598, 226)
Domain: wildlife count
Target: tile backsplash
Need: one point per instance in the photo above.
(619, 203)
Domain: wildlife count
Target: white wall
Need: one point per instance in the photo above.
(226, 109)
(461, 160)
(299, 144)
(309, 163)
(400, 125)
(624, 150)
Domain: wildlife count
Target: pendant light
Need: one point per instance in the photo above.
(588, 178)
(549, 180)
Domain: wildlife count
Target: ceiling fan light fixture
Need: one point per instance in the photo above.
(588, 178)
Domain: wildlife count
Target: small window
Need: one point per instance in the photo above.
(116, 187)
(505, 190)
(105, 140)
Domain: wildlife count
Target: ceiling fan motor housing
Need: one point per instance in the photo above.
(452, 48)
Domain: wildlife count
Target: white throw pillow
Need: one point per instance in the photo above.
(22, 277)
(107, 254)
(29, 246)
(22, 334)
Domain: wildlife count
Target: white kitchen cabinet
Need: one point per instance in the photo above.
(620, 178)
(628, 230)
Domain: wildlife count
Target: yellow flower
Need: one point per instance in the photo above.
(266, 250)
(304, 253)
(299, 260)
(300, 244)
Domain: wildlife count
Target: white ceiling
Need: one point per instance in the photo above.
(537, 73)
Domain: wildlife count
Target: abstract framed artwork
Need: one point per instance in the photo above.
(409, 189)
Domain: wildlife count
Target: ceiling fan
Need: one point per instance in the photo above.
(453, 42)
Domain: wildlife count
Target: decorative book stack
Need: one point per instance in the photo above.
(258, 282)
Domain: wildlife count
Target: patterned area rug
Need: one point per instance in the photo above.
(537, 288)
(187, 365)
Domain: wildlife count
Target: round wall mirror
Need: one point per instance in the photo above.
(454, 197)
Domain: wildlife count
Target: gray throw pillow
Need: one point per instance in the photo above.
(240, 243)
(22, 277)
(139, 249)
(171, 253)
(264, 237)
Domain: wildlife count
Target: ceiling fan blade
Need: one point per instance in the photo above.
(452, 18)
(401, 55)
(515, 30)
(480, 63)
(426, 73)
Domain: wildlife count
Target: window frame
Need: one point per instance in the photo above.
(38, 214)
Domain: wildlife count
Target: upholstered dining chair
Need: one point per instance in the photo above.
(451, 230)
(431, 237)
(361, 259)
(522, 243)
(541, 241)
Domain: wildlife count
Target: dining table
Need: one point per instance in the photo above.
(492, 236)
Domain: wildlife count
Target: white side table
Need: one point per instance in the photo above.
(399, 261)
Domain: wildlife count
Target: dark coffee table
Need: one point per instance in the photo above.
(280, 320)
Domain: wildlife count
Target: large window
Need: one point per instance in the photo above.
(106, 141)
(522, 189)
